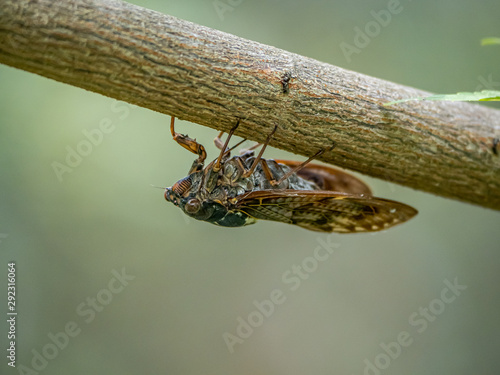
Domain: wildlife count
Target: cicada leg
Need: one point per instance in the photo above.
(259, 156)
(273, 181)
(223, 147)
(190, 145)
(218, 141)
(298, 167)
(220, 145)
(244, 151)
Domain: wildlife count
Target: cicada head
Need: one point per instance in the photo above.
(202, 205)
(185, 195)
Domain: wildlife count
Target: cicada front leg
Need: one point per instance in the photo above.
(190, 145)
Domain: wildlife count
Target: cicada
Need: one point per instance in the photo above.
(239, 190)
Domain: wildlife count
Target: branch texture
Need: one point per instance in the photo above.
(212, 78)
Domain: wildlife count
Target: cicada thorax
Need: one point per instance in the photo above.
(231, 182)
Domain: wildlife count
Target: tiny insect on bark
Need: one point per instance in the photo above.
(239, 190)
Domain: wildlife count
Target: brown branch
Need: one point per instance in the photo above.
(213, 78)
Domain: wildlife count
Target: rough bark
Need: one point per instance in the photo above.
(212, 78)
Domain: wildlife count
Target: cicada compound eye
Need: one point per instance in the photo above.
(192, 206)
(169, 195)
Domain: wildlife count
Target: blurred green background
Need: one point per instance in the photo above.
(190, 282)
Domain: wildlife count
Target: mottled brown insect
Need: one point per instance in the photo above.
(285, 80)
(239, 190)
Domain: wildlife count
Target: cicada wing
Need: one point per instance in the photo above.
(328, 178)
(325, 211)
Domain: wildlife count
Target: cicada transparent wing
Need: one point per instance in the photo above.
(324, 211)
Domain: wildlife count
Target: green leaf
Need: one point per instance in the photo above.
(479, 96)
(489, 41)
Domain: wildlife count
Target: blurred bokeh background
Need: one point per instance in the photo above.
(186, 286)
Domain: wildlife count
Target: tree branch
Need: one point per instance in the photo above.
(212, 78)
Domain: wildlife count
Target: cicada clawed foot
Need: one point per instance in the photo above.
(189, 144)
